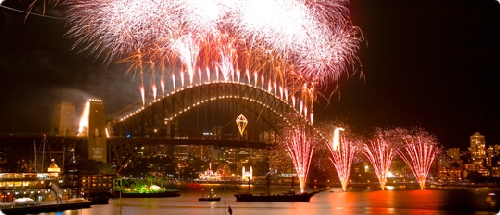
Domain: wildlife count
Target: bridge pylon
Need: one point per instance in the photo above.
(95, 131)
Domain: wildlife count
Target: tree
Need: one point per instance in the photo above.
(475, 177)
(96, 167)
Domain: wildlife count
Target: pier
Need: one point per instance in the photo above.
(40, 207)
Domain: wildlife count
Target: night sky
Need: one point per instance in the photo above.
(431, 64)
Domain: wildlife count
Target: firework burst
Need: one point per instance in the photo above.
(299, 46)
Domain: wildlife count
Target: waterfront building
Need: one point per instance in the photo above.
(97, 183)
(210, 175)
(37, 186)
(450, 174)
(246, 175)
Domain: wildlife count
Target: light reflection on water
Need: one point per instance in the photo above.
(334, 201)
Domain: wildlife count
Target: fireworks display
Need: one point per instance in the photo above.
(380, 155)
(418, 151)
(289, 47)
(299, 142)
(343, 157)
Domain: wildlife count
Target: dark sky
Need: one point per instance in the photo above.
(426, 63)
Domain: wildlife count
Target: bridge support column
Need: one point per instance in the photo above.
(96, 133)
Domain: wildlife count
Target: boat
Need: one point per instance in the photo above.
(492, 197)
(99, 200)
(98, 197)
(290, 196)
(210, 198)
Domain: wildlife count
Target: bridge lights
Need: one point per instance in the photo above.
(241, 122)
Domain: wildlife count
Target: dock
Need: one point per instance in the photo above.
(40, 207)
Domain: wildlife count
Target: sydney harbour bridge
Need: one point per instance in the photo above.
(201, 115)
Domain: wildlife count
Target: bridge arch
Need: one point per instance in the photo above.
(162, 112)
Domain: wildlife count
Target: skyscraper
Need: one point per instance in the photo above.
(477, 146)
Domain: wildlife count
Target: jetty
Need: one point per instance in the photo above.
(41, 207)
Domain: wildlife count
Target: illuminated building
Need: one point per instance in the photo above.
(495, 171)
(53, 168)
(490, 153)
(454, 153)
(496, 149)
(246, 175)
(36, 186)
(477, 146)
(94, 183)
(210, 175)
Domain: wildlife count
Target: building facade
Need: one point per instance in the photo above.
(477, 146)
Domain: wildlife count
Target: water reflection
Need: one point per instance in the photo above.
(362, 201)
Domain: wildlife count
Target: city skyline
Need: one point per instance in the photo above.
(427, 64)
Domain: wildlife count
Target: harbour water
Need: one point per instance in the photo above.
(331, 201)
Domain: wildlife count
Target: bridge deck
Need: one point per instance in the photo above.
(169, 141)
(136, 140)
